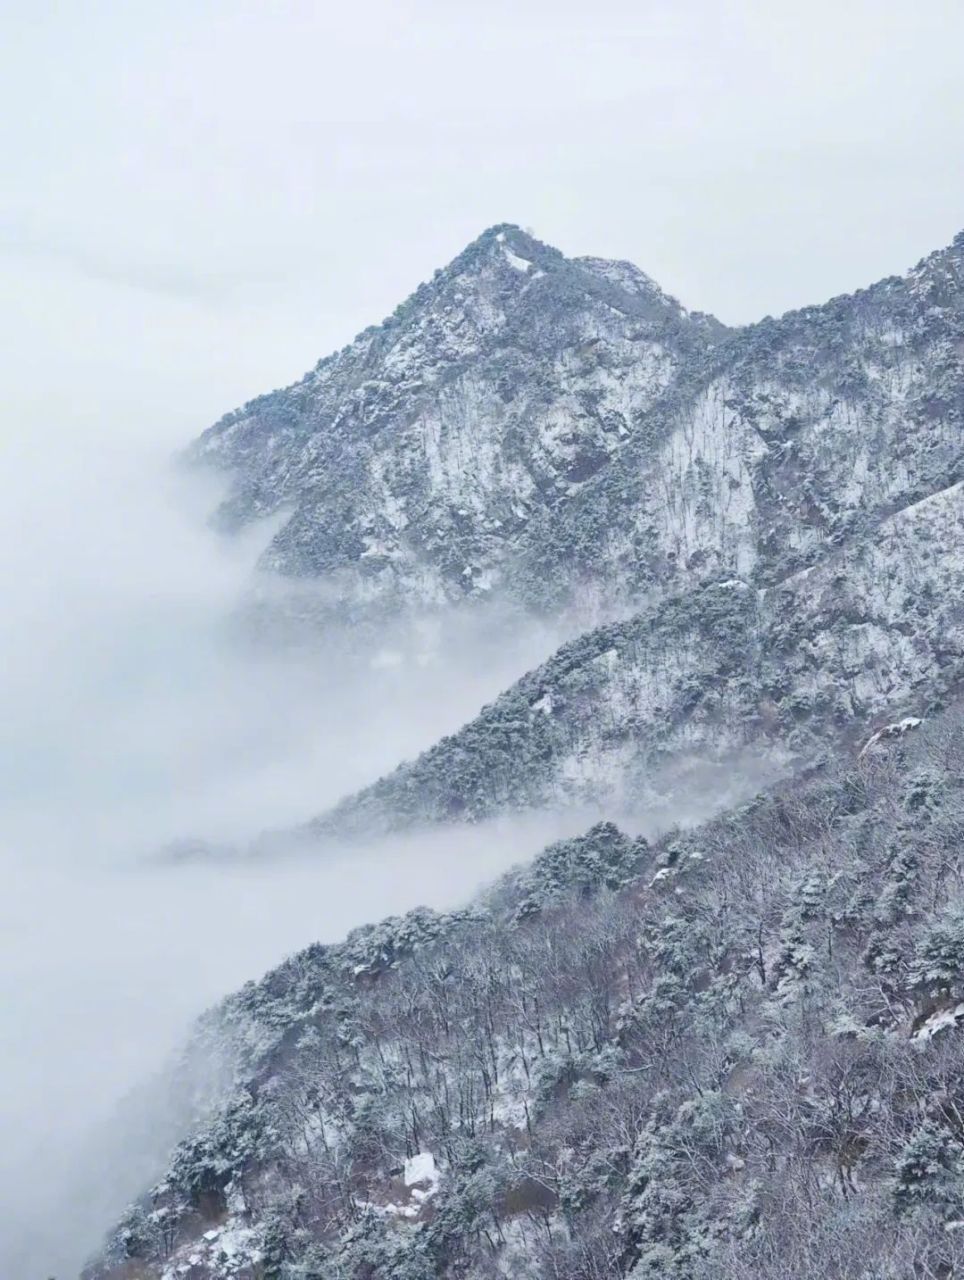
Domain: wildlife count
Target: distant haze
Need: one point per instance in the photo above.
(132, 715)
(200, 199)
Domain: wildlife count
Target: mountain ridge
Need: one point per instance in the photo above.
(745, 674)
(514, 431)
(834, 425)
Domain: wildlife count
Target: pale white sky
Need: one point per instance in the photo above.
(202, 197)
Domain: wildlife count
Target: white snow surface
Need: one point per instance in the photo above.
(422, 1175)
(895, 730)
(513, 259)
(225, 1251)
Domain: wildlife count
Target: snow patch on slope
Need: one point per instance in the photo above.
(513, 259)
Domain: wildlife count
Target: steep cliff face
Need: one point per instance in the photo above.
(563, 432)
(788, 439)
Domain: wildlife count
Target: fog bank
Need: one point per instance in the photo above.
(134, 715)
(137, 712)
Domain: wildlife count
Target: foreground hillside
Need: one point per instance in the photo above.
(733, 1053)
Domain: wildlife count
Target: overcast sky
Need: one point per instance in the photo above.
(201, 197)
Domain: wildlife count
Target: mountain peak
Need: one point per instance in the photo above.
(498, 388)
(522, 404)
(507, 244)
(500, 232)
(619, 281)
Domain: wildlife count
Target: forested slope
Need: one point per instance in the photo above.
(733, 1052)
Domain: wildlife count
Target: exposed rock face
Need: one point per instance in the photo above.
(790, 438)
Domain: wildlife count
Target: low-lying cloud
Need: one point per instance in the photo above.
(138, 711)
(134, 714)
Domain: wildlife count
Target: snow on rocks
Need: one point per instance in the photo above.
(939, 1020)
(226, 1251)
(406, 1197)
(895, 730)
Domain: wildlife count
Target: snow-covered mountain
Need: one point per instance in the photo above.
(734, 1052)
(875, 628)
(563, 432)
(775, 516)
(412, 462)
